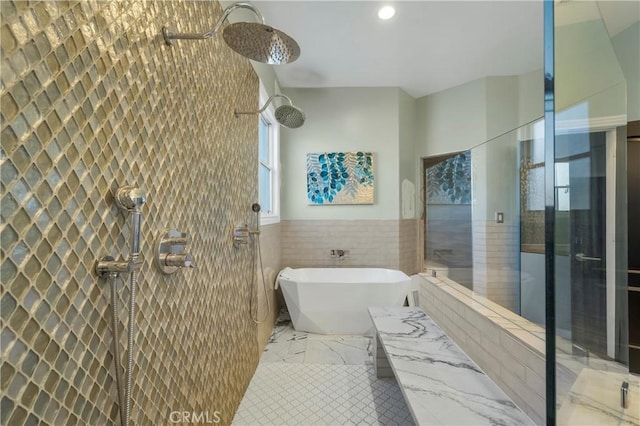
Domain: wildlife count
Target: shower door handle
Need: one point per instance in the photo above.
(580, 257)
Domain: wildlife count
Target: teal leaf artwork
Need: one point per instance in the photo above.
(340, 178)
(449, 182)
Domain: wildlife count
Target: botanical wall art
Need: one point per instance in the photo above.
(340, 178)
(449, 182)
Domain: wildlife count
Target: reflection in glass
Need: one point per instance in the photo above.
(590, 218)
(448, 206)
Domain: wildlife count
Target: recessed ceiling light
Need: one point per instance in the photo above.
(386, 12)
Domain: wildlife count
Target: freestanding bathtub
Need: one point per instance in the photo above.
(336, 300)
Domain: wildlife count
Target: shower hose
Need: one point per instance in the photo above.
(256, 248)
(113, 280)
(124, 405)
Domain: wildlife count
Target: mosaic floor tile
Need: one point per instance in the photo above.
(313, 379)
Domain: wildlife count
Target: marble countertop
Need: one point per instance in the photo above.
(440, 383)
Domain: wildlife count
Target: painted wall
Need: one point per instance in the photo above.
(351, 119)
(409, 163)
(343, 119)
(465, 116)
(626, 46)
(92, 99)
(502, 101)
(452, 120)
(586, 65)
(530, 96)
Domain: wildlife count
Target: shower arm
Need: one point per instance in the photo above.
(170, 36)
(261, 110)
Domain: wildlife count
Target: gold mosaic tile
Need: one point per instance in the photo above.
(92, 99)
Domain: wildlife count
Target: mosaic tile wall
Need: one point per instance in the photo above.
(92, 99)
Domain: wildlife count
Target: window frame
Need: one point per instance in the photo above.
(273, 132)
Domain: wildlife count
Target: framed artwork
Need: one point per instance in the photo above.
(340, 178)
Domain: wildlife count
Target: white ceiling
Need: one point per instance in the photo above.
(428, 46)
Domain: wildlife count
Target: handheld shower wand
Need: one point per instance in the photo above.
(131, 199)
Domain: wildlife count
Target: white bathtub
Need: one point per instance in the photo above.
(336, 300)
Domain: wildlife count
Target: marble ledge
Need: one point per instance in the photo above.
(576, 374)
(520, 328)
(441, 384)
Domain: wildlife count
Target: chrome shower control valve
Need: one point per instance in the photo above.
(171, 252)
(241, 234)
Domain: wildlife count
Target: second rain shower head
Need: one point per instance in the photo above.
(252, 40)
(287, 115)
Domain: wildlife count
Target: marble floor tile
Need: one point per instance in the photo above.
(340, 350)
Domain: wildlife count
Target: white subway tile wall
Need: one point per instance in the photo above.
(371, 243)
(496, 262)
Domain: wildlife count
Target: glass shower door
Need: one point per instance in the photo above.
(590, 223)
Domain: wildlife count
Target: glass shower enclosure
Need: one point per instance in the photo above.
(586, 228)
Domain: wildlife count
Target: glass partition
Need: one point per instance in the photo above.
(591, 317)
(448, 219)
(485, 219)
(496, 219)
(549, 222)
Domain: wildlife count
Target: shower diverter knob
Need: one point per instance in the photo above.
(171, 252)
(184, 260)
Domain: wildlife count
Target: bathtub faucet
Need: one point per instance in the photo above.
(339, 254)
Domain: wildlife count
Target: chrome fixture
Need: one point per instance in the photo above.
(581, 257)
(170, 251)
(253, 40)
(288, 115)
(241, 236)
(131, 199)
(339, 254)
(242, 233)
(108, 265)
(624, 394)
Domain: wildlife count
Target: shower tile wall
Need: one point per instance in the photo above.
(270, 251)
(411, 257)
(496, 262)
(92, 99)
(371, 243)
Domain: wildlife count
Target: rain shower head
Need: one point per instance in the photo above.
(252, 40)
(287, 115)
(290, 116)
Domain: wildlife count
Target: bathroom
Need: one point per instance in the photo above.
(93, 99)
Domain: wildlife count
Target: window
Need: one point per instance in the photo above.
(268, 162)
